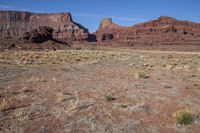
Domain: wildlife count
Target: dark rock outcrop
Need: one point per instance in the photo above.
(39, 35)
(14, 24)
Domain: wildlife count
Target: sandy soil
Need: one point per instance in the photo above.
(64, 91)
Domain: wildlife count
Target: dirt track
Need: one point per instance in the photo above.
(64, 91)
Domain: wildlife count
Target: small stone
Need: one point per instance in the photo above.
(54, 79)
(141, 75)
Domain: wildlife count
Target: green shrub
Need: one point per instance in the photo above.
(184, 118)
(109, 98)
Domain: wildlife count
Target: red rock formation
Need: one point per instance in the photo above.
(106, 23)
(163, 30)
(15, 24)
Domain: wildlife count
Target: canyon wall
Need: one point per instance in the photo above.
(15, 24)
(164, 30)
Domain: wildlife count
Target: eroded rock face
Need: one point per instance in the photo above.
(165, 30)
(15, 24)
(106, 23)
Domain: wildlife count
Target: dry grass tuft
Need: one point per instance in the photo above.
(3, 104)
(73, 106)
(35, 78)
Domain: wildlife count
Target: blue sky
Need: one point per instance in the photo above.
(124, 12)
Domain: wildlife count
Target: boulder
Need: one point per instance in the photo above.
(39, 35)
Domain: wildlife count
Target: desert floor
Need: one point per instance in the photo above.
(104, 90)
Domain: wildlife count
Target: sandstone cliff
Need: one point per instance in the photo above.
(161, 31)
(164, 30)
(14, 24)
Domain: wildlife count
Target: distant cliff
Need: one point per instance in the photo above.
(15, 24)
(164, 30)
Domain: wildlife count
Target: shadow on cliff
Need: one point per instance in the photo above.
(92, 38)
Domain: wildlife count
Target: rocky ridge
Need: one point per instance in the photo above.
(162, 30)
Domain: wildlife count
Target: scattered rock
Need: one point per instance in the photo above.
(169, 67)
(141, 107)
(11, 46)
(128, 126)
(55, 80)
(141, 75)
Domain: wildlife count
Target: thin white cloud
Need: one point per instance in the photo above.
(97, 16)
(105, 16)
(88, 15)
(7, 7)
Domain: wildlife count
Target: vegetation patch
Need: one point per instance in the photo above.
(184, 118)
(109, 98)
